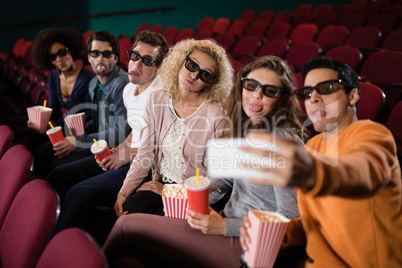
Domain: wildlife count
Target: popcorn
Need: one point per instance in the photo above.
(266, 232)
(174, 197)
(174, 191)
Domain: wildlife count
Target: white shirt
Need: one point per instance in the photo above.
(135, 106)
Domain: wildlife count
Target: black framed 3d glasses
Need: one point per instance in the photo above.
(135, 56)
(61, 53)
(203, 75)
(96, 53)
(322, 88)
(252, 85)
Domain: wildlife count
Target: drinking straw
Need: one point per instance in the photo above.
(44, 103)
(50, 124)
(96, 143)
(198, 175)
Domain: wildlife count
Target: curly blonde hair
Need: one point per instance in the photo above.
(218, 90)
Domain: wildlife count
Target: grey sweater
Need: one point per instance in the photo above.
(245, 196)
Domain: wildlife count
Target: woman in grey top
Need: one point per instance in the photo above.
(262, 98)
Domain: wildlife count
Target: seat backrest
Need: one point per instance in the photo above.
(246, 45)
(221, 25)
(393, 41)
(332, 35)
(394, 124)
(205, 24)
(384, 22)
(299, 54)
(371, 102)
(346, 54)
(124, 42)
(257, 28)
(274, 47)
(266, 16)
(303, 32)
(393, 95)
(14, 170)
(364, 38)
(381, 68)
(248, 15)
(343, 9)
(5, 139)
(72, 247)
(157, 28)
(225, 40)
(203, 35)
(238, 27)
(323, 8)
(302, 17)
(28, 225)
(305, 7)
(283, 16)
(170, 34)
(142, 27)
(352, 21)
(278, 30)
(323, 20)
(184, 33)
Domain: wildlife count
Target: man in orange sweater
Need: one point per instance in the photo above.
(348, 177)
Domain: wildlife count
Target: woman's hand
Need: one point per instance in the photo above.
(154, 186)
(118, 205)
(211, 223)
(244, 238)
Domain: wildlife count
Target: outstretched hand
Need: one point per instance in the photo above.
(293, 166)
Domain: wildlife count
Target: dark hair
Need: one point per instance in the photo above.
(155, 40)
(45, 38)
(287, 105)
(105, 36)
(345, 73)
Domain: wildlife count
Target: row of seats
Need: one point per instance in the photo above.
(28, 214)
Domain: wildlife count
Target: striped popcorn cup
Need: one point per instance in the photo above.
(266, 233)
(39, 117)
(75, 122)
(174, 198)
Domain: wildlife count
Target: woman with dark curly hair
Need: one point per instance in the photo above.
(68, 83)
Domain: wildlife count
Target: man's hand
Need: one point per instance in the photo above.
(65, 147)
(293, 166)
(119, 157)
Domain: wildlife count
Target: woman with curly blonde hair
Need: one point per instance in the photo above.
(179, 120)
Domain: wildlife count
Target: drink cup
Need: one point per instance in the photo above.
(55, 135)
(100, 151)
(174, 197)
(266, 233)
(39, 117)
(75, 123)
(198, 194)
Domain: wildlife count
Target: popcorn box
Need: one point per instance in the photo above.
(266, 235)
(75, 122)
(174, 198)
(39, 116)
